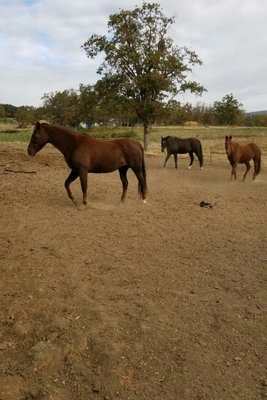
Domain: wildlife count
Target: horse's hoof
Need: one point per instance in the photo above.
(81, 207)
(144, 201)
(201, 168)
(189, 167)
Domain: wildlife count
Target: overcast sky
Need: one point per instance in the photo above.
(40, 46)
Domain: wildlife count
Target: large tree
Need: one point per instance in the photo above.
(142, 64)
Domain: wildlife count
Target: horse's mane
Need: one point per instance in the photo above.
(59, 127)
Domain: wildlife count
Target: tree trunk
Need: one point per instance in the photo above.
(146, 135)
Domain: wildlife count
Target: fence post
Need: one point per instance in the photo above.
(211, 154)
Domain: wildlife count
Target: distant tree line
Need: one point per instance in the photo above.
(86, 107)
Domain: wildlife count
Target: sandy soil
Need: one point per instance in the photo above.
(164, 300)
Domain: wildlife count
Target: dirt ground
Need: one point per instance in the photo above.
(157, 301)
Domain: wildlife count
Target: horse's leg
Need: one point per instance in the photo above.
(233, 171)
(191, 159)
(83, 179)
(256, 168)
(166, 159)
(200, 157)
(141, 184)
(175, 159)
(123, 175)
(72, 176)
(248, 168)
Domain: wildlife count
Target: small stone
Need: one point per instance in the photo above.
(237, 359)
(96, 387)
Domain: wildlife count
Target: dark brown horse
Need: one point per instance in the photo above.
(175, 145)
(242, 154)
(85, 154)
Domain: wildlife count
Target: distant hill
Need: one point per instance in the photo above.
(262, 112)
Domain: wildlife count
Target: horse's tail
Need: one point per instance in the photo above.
(256, 158)
(258, 165)
(200, 155)
(142, 185)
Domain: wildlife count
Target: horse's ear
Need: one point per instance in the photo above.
(230, 137)
(226, 137)
(37, 125)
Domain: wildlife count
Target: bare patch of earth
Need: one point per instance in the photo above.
(164, 300)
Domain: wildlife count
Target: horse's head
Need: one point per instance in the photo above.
(163, 143)
(38, 140)
(228, 145)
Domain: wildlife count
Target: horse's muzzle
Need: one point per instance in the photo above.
(31, 151)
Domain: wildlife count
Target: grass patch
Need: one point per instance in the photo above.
(17, 136)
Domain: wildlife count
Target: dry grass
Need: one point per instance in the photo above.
(212, 138)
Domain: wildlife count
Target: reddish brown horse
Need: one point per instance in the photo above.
(85, 154)
(243, 154)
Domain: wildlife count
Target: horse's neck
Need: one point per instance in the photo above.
(234, 147)
(61, 139)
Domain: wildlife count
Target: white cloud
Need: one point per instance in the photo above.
(40, 46)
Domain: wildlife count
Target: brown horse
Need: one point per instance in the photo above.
(85, 154)
(242, 154)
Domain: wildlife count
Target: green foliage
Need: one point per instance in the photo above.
(25, 115)
(177, 114)
(63, 107)
(2, 112)
(202, 114)
(9, 110)
(256, 119)
(110, 104)
(228, 111)
(41, 113)
(88, 104)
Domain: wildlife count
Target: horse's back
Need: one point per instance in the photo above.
(128, 147)
(178, 145)
(255, 148)
(100, 155)
(245, 152)
(195, 143)
(124, 145)
(131, 150)
(183, 145)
